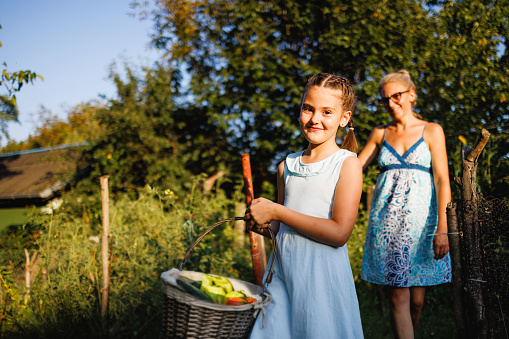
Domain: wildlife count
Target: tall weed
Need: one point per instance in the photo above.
(148, 235)
(151, 229)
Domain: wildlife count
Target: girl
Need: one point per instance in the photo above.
(319, 190)
(406, 243)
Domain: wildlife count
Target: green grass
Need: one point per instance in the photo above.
(12, 216)
(150, 235)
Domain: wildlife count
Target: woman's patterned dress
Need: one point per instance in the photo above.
(403, 219)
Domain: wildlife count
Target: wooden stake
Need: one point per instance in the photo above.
(29, 268)
(105, 290)
(472, 270)
(257, 243)
(457, 281)
(27, 275)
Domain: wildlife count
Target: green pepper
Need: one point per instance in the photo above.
(215, 293)
(235, 294)
(206, 280)
(224, 283)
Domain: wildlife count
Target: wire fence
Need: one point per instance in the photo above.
(494, 225)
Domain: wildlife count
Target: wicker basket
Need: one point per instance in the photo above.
(186, 316)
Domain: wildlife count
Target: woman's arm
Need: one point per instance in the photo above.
(372, 147)
(334, 231)
(435, 134)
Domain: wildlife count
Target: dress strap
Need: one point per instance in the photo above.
(385, 127)
(426, 124)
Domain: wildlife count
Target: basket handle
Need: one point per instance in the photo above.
(210, 228)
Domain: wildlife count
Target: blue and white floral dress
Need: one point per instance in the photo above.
(402, 221)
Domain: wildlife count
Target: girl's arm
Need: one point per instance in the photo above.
(334, 231)
(274, 225)
(435, 135)
(372, 147)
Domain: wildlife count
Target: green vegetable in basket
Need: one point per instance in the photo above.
(216, 293)
(224, 283)
(187, 285)
(206, 280)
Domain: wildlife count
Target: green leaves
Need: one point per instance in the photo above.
(248, 62)
(14, 81)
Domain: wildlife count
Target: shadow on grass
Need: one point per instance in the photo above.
(141, 321)
(437, 318)
(144, 321)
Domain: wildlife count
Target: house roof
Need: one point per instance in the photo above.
(37, 175)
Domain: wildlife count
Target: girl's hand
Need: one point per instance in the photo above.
(440, 245)
(262, 211)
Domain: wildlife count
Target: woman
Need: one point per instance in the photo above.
(406, 245)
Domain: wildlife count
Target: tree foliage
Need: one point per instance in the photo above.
(234, 72)
(12, 82)
(248, 62)
(150, 134)
(53, 131)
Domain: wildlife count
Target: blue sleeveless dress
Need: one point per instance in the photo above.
(402, 221)
(312, 289)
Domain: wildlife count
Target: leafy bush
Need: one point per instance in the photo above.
(151, 229)
(149, 235)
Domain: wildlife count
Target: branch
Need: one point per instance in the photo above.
(482, 140)
(457, 181)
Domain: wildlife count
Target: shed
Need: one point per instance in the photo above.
(35, 177)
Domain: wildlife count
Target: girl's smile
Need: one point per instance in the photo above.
(321, 115)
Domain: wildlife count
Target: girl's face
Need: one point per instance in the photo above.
(397, 99)
(321, 115)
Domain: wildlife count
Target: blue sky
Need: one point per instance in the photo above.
(71, 43)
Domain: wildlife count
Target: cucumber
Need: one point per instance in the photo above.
(188, 286)
(196, 283)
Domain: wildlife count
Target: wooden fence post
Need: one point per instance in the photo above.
(29, 268)
(472, 272)
(257, 243)
(457, 281)
(105, 290)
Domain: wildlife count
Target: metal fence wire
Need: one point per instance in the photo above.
(494, 225)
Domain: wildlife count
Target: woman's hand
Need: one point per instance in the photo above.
(440, 245)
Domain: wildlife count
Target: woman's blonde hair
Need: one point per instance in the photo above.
(402, 77)
(346, 95)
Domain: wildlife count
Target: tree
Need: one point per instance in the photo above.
(53, 131)
(248, 62)
(12, 83)
(466, 82)
(149, 134)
